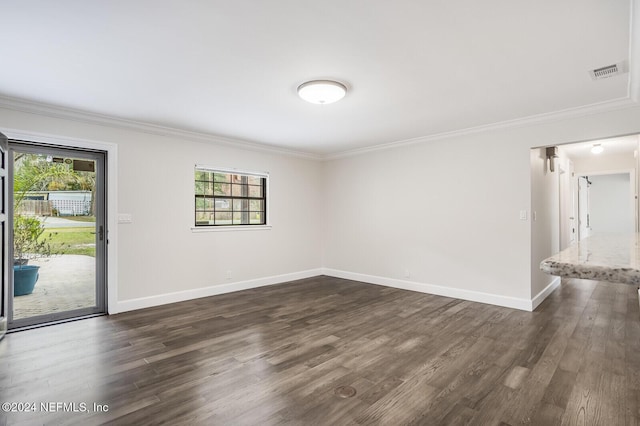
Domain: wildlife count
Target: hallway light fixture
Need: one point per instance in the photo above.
(597, 149)
(322, 92)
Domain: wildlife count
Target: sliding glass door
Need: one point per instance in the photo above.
(58, 243)
(4, 262)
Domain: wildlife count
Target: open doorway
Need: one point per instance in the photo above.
(606, 203)
(599, 192)
(557, 177)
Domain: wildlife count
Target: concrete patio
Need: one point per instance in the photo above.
(66, 282)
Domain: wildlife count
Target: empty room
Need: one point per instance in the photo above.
(303, 213)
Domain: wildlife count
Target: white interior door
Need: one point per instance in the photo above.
(583, 208)
(573, 207)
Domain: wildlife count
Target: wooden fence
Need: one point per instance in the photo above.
(54, 208)
(35, 208)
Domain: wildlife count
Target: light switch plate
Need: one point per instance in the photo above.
(125, 218)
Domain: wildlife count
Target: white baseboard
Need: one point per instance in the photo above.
(539, 298)
(196, 293)
(456, 293)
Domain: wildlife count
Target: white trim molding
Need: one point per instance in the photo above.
(455, 293)
(55, 111)
(32, 107)
(550, 117)
(213, 290)
(229, 228)
(540, 297)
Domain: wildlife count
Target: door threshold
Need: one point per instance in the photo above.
(47, 324)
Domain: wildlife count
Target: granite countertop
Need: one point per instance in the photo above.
(612, 258)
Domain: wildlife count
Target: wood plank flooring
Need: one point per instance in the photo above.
(275, 355)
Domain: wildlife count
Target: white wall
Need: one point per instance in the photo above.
(566, 199)
(431, 209)
(604, 163)
(610, 206)
(448, 210)
(445, 211)
(159, 258)
(545, 217)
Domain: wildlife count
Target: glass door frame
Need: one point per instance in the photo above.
(4, 237)
(100, 158)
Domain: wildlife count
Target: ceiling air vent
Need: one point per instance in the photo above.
(608, 71)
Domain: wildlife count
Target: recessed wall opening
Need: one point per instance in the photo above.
(592, 190)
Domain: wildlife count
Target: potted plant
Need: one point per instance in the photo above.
(28, 243)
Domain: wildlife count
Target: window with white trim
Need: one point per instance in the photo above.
(229, 197)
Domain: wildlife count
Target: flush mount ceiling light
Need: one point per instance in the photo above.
(597, 149)
(322, 91)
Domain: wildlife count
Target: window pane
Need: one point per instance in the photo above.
(256, 205)
(200, 188)
(223, 218)
(240, 218)
(238, 179)
(204, 218)
(207, 188)
(222, 189)
(240, 205)
(204, 204)
(223, 204)
(221, 177)
(256, 218)
(254, 180)
(255, 191)
(200, 175)
(239, 190)
(204, 188)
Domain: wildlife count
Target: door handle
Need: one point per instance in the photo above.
(101, 233)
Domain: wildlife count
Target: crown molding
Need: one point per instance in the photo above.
(55, 111)
(104, 120)
(549, 117)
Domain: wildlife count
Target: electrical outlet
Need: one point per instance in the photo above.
(229, 274)
(407, 273)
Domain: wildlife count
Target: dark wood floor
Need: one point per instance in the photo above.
(276, 355)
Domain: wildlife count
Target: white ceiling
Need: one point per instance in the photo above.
(231, 68)
(624, 145)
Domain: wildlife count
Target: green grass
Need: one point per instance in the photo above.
(72, 240)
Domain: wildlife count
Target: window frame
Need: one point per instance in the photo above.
(229, 227)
